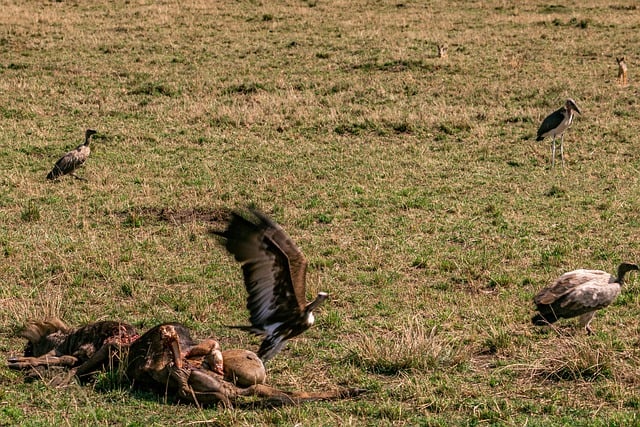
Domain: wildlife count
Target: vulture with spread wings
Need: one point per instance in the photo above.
(579, 293)
(274, 274)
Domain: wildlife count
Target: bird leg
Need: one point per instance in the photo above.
(585, 320)
(553, 152)
(562, 149)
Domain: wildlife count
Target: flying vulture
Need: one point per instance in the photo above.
(274, 274)
(579, 293)
(71, 161)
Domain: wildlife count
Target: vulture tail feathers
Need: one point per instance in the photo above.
(55, 173)
(270, 347)
(247, 329)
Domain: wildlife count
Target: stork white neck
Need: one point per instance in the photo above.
(568, 117)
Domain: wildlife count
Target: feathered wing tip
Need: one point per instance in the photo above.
(238, 228)
(240, 238)
(55, 173)
(270, 347)
(245, 328)
(249, 217)
(264, 219)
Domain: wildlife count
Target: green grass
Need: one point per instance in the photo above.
(412, 183)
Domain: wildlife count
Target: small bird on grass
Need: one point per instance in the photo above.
(579, 293)
(555, 124)
(274, 275)
(71, 161)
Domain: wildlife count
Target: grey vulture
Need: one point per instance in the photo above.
(71, 161)
(274, 275)
(579, 293)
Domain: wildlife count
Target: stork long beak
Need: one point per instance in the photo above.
(572, 105)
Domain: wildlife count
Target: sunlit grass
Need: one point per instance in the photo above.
(411, 182)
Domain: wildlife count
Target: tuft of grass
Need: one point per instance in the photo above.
(574, 360)
(498, 339)
(31, 212)
(412, 347)
(133, 219)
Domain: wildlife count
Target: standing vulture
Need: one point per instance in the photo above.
(274, 274)
(579, 293)
(71, 161)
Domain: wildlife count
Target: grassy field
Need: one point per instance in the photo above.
(411, 182)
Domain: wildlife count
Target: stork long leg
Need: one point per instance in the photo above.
(562, 149)
(553, 152)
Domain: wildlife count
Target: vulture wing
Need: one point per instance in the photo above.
(71, 161)
(273, 266)
(567, 283)
(297, 263)
(593, 295)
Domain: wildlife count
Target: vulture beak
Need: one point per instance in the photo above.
(322, 296)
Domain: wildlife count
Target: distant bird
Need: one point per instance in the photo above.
(71, 161)
(555, 124)
(622, 71)
(274, 276)
(579, 293)
(442, 51)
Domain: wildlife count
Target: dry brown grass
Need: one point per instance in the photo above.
(410, 182)
(409, 348)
